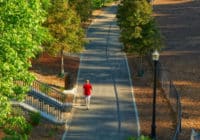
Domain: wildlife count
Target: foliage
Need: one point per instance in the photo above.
(100, 3)
(17, 127)
(16, 137)
(139, 138)
(35, 118)
(65, 26)
(17, 111)
(97, 3)
(107, 1)
(83, 8)
(44, 88)
(5, 109)
(51, 132)
(21, 34)
(45, 4)
(138, 29)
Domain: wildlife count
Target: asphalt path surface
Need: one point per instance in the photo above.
(112, 114)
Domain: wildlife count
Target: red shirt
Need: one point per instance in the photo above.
(87, 89)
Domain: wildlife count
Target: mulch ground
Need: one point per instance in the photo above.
(143, 91)
(47, 69)
(179, 23)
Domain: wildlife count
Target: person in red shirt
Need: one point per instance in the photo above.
(87, 88)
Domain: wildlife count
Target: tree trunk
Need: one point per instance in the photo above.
(141, 70)
(141, 63)
(62, 63)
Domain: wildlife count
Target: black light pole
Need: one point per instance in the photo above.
(155, 57)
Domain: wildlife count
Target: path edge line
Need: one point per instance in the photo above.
(133, 97)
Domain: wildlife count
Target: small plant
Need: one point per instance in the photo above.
(16, 137)
(61, 75)
(139, 138)
(44, 88)
(98, 3)
(17, 128)
(35, 118)
(17, 111)
(51, 133)
(62, 89)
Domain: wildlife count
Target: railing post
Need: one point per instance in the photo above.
(54, 106)
(180, 111)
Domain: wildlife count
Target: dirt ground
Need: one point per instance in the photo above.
(143, 91)
(47, 69)
(179, 23)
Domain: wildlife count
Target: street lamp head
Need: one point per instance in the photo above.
(155, 55)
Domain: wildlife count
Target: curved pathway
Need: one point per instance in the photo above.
(113, 114)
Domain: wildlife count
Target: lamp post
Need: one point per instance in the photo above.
(155, 57)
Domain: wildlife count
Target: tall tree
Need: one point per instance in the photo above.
(98, 3)
(65, 26)
(21, 34)
(138, 30)
(83, 8)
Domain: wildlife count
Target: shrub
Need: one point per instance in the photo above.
(139, 138)
(44, 88)
(138, 28)
(16, 137)
(17, 128)
(97, 3)
(83, 8)
(35, 118)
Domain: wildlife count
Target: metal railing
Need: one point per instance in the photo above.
(43, 88)
(51, 103)
(194, 135)
(173, 97)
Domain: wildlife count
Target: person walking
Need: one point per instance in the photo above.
(87, 88)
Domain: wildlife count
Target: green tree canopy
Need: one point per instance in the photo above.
(98, 3)
(65, 26)
(21, 34)
(83, 8)
(138, 30)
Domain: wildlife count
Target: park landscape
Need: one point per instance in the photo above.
(180, 56)
(184, 77)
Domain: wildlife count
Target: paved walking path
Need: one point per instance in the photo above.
(112, 114)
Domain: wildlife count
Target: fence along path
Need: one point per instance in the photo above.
(173, 96)
(49, 102)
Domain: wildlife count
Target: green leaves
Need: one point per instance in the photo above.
(138, 30)
(17, 127)
(5, 109)
(65, 26)
(21, 35)
(83, 8)
(98, 3)
(142, 137)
